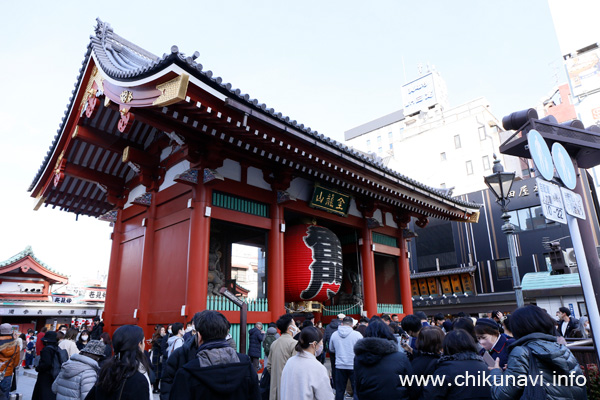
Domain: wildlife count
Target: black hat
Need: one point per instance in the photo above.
(50, 337)
(487, 322)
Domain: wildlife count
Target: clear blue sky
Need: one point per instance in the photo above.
(330, 65)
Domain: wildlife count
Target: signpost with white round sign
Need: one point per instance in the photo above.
(540, 154)
(564, 166)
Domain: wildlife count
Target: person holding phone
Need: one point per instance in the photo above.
(495, 343)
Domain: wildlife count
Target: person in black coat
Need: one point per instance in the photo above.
(566, 324)
(379, 367)
(124, 376)
(256, 335)
(218, 371)
(97, 329)
(180, 356)
(157, 358)
(43, 385)
(460, 360)
(428, 352)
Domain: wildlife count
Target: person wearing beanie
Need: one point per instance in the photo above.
(9, 358)
(494, 342)
(78, 375)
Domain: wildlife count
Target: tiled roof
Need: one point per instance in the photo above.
(443, 272)
(27, 252)
(124, 61)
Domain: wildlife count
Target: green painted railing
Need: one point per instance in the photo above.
(220, 303)
(224, 200)
(341, 309)
(385, 239)
(390, 309)
(235, 334)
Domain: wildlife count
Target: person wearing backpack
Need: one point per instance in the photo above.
(51, 359)
(269, 339)
(175, 341)
(9, 359)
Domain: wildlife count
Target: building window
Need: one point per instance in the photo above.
(457, 142)
(503, 270)
(525, 222)
(390, 136)
(391, 146)
(380, 149)
(482, 133)
(443, 156)
(443, 185)
(526, 219)
(369, 143)
(486, 163)
(379, 139)
(469, 168)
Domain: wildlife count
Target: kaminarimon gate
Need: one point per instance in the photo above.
(210, 188)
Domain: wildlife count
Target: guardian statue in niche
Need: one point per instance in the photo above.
(354, 297)
(215, 275)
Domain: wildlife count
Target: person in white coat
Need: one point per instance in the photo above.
(304, 377)
(68, 343)
(78, 375)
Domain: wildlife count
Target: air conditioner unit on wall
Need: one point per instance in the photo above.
(570, 258)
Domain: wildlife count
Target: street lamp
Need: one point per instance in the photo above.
(500, 183)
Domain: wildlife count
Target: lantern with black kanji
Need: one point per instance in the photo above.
(313, 263)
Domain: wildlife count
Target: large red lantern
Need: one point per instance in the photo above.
(313, 263)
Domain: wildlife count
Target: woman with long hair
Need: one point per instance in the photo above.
(156, 359)
(304, 377)
(125, 375)
(379, 366)
(536, 353)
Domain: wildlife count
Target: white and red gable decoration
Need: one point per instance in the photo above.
(24, 277)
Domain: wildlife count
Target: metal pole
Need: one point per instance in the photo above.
(243, 327)
(509, 230)
(586, 279)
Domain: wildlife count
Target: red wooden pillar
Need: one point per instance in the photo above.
(275, 261)
(147, 266)
(368, 268)
(198, 250)
(404, 273)
(114, 272)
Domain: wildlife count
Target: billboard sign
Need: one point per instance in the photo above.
(584, 72)
(420, 94)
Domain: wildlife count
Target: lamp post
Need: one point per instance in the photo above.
(500, 183)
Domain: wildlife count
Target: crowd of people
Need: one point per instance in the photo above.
(376, 358)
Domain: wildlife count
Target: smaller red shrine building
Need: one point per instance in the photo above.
(27, 300)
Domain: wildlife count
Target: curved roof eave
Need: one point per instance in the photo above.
(124, 62)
